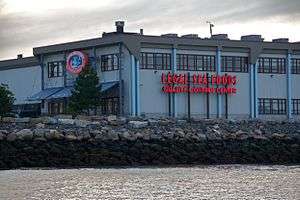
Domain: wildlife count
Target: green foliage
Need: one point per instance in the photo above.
(86, 94)
(6, 100)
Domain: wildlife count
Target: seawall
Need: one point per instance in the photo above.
(111, 141)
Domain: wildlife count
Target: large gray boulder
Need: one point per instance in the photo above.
(23, 120)
(40, 125)
(138, 124)
(84, 136)
(111, 136)
(11, 137)
(81, 123)
(213, 134)
(152, 122)
(2, 136)
(8, 119)
(53, 135)
(25, 134)
(49, 120)
(66, 121)
(70, 137)
(127, 136)
(111, 118)
(40, 132)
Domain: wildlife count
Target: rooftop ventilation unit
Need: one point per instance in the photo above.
(19, 56)
(252, 38)
(169, 35)
(281, 40)
(190, 36)
(120, 26)
(220, 37)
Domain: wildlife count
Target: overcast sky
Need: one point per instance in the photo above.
(25, 24)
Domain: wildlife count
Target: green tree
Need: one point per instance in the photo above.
(86, 94)
(6, 100)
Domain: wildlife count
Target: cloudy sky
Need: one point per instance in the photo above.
(30, 23)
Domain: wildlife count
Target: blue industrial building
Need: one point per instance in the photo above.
(132, 67)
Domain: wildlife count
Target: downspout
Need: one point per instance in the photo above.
(121, 110)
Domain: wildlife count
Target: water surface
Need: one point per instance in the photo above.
(202, 182)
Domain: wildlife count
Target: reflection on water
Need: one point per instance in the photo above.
(203, 182)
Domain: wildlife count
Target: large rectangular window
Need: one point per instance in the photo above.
(296, 106)
(57, 107)
(187, 62)
(109, 62)
(55, 69)
(110, 105)
(295, 66)
(269, 106)
(272, 65)
(234, 64)
(156, 61)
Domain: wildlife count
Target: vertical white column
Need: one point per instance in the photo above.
(289, 89)
(133, 86)
(138, 101)
(251, 78)
(218, 71)
(255, 75)
(174, 69)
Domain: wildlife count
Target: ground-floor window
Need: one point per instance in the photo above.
(296, 106)
(110, 105)
(56, 107)
(269, 106)
(27, 110)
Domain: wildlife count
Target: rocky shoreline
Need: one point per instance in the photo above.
(111, 141)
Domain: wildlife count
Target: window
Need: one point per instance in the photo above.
(195, 62)
(268, 106)
(57, 107)
(295, 66)
(55, 69)
(110, 105)
(271, 65)
(296, 106)
(156, 61)
(234, 64)
(109, 62)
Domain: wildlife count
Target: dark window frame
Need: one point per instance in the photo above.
(55, 69)
(57, 107)
(110, 105)
(239, 64)
(109, 62)
(272, 106)
(156, 61)
(295, 66)
(198, 63)
(267, 65)
(296, 106)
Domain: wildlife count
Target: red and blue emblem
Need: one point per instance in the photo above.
(76, 62)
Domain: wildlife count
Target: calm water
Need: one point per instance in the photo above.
(207, 182)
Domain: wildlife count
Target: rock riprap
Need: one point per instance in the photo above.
(104, 141)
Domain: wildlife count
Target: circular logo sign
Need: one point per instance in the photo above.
(76, 62)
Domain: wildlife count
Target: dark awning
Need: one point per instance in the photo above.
(105, 86)
(63, 93)
(44, 94)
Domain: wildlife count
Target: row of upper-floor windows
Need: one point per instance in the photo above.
(188, 62)
(272, 106)
(108, 62)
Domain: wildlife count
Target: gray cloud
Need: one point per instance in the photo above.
(20, 32)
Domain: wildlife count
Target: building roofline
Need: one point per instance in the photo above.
(114, 38)
(18, 63)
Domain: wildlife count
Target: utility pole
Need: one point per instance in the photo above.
(211, 25)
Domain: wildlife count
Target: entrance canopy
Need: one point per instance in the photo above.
(44, 94)
(65, 92)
